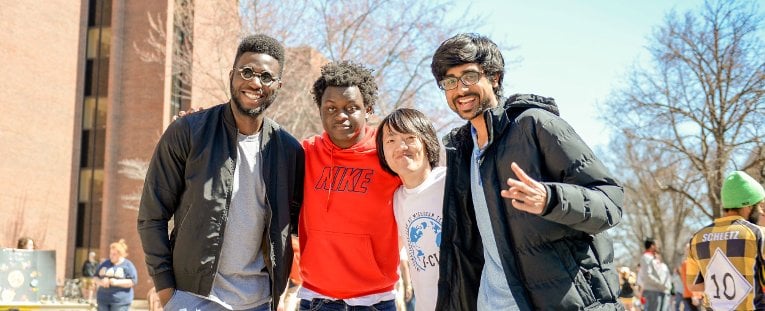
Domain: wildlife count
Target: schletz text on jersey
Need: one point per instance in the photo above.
(719, 236)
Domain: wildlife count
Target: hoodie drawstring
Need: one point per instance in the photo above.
(332, 177)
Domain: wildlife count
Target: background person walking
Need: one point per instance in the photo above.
(726, 257)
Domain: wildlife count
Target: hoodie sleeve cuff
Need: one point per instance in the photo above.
(552, 200)
(164, 280)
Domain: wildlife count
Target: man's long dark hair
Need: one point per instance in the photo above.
(468, 48)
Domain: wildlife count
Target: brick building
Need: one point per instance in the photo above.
(85, 98)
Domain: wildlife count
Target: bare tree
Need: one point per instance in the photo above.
(134, 169)
(652, 212)
(701, 103)
(394, 37)
(16, 227)
(154, 48)
(294, 108)
(201, 79)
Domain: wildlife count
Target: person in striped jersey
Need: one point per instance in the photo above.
(726, 257)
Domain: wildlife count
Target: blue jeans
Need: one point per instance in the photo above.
(319, 304)
(182, 300)
(410, 304)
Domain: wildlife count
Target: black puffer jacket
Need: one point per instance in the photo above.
(191, 177)
(559, 260)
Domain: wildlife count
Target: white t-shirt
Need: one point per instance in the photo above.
(419, 216)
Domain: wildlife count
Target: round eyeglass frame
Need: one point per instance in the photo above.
(258, 75)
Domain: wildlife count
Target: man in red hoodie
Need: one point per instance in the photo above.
(346, 229)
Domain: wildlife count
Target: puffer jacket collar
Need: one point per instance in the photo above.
(498, 119)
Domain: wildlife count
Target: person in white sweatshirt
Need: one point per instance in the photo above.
(407, 146)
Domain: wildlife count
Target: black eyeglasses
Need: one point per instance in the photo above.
(265, 77)
(468, 78)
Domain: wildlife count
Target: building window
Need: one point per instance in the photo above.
(91, 177)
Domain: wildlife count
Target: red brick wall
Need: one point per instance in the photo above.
(42, 55)
(40, 103)
(135, 119)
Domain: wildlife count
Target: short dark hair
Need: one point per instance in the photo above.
(409, 121)
(346, 73)
(23, 242)
(261, 44)
(468, 48)
(648, 243)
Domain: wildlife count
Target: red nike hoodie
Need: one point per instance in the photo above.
(347, 230)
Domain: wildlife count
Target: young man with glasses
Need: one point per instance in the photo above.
(231, 180)
(539, 244)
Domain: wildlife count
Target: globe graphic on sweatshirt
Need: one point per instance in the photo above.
(424, 241)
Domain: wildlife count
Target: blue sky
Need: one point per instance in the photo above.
(574, 51)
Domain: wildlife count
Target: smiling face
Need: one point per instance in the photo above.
(343, 115)
(251, 97)
(470, 101)
(405, 154)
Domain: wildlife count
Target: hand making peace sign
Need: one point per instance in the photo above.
(527, 194)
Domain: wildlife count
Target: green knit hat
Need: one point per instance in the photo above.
(740, 189)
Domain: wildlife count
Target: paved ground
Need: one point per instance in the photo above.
(140, 305)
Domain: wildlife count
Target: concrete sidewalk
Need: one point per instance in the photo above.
(140, 305)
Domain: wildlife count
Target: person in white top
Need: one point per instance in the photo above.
(408, 147)
(655, 281)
